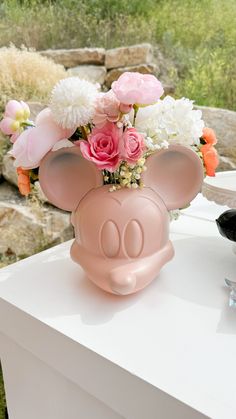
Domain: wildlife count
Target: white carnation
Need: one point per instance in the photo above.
(174, 121)
(72, 102)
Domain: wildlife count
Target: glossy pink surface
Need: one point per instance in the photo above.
(121, 237)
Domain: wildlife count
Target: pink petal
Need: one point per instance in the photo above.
(19, 151)
(67, 133)
(45, 117)
(33, 144)
(124, 108)
(41, 139)
(5, 126)
(25, 106)
(14, 137)
(85, 149)
(12, 107)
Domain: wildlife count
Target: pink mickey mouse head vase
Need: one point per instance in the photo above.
(121, 238)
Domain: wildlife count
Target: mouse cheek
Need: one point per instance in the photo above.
(154, 224)
(96, 227)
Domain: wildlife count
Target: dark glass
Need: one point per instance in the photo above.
(226, 224)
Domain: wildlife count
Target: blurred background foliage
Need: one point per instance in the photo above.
(199, 36)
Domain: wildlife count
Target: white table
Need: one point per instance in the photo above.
(71, 351)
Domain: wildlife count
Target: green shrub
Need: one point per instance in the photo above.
(200, 36)
(210, 79)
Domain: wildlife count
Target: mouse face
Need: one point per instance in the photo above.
(121, 237)
(120, 224)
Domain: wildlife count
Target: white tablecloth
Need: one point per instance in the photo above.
(166, 352)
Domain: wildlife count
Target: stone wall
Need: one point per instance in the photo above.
(104, 66)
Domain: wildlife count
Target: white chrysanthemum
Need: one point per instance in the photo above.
(72, 102)
(174, 121)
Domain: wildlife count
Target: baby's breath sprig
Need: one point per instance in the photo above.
(127, 176)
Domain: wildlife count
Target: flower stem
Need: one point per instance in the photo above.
(84, 133)
(27, 124)
(136, 108)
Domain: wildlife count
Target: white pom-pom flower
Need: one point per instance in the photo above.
(174, 121)
(73, 102)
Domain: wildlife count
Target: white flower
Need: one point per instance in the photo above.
(153, 146)
(171, 120)
(126, 121)
(72, 102)
(62, 144)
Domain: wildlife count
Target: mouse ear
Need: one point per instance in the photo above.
(66, 176)
(176, 174)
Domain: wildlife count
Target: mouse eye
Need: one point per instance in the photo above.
(133, 239)
(110, 239)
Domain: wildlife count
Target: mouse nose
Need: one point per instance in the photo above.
(121, 281)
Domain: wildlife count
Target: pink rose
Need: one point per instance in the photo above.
(125, 108)
(32, 145)
(137, 88)
(102, 147)
(106, 109)
(132, 146)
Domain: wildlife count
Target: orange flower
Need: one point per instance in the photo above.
(210, 158)
(209, 136)
(23, 181)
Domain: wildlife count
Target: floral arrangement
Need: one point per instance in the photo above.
(116, 130)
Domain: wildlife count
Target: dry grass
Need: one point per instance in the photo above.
(26, 75)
